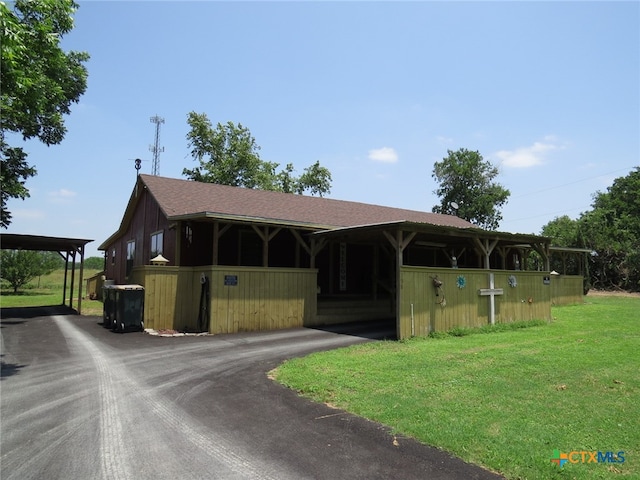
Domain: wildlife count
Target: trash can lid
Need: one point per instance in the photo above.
(126, 287)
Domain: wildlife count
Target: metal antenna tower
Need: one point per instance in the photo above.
(156, 149)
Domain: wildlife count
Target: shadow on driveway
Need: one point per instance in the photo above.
(9, 315)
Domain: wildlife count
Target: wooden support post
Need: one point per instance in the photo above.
(217, 233)
(485, 249)
(80, 280)
(216, 243)
(314, 247)
(491, 292)
(177, 227)
(66, 272)
(543, 250)
(266, 237)
(399, 243)
(376, 273)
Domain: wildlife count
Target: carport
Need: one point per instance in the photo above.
(68, 248)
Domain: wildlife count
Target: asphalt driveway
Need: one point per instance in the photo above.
(81, 402)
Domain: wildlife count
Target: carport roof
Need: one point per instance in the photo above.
(13, 241)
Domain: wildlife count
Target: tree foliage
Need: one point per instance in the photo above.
(611, 230)
(39, 83)
(19, 267)
(467, 180)
(229, 155)
(94, 263)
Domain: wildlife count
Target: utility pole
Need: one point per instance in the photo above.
(156, 149)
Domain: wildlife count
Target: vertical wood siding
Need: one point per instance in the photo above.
(464, 307)
(263, 299)
(567, 289)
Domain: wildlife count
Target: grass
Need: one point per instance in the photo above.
(504, 400)
(47, 291)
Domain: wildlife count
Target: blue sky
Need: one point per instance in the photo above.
(376, 91)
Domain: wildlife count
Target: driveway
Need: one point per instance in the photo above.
(81, 402)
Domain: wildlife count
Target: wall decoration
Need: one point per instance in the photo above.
(461, 281)
(513, 281)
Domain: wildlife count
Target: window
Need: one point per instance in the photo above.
(188, 234)
(113, 256)
(156, 244)
(131, 254)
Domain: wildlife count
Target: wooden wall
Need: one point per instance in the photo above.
(261, 299)
(455, 306)
(567, 289)
(94, 285)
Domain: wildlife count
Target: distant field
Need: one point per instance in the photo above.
(47, 290)
(508, 400)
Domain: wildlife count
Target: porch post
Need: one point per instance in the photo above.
(266, 238)
(216, 239)
(399, 243)
(80, 280)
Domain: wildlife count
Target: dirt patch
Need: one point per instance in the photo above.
(609, 293)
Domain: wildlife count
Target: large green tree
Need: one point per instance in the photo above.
(467, 181)
(19, 267)
(39, 83)
(229, 155)
(611, 229)
(565, 232)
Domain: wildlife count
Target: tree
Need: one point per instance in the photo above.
(565, 232)
(94, 263)
(39, 83)
(229, 155)
(19, 267)
(612, 230)
(467, 180)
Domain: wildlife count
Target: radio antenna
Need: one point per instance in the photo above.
(156, 149)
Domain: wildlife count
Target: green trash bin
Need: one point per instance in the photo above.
(128, 308)
(108, 305)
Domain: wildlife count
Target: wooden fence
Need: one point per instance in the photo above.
(567, 289)
(93, 286)
(253, 298)
(458, 303)
(240, 298)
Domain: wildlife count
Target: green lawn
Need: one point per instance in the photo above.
(47, 291)
(502, 400)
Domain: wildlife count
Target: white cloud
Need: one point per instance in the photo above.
(526, 157)
(443, 139)
(384, 155)
(62, 196)
(27, 214)
(63, 193)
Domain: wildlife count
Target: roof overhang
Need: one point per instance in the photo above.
(203, 216)
(448, 235)
(12, 241)
(570, 250)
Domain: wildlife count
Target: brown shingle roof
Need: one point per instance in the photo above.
(184, 198)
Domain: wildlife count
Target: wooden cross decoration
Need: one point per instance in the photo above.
(491, 292)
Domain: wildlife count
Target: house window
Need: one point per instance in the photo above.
(188, 234)
(156, 243)
(113, 256)
(131, 253)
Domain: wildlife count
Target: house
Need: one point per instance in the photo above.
(241, 259)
